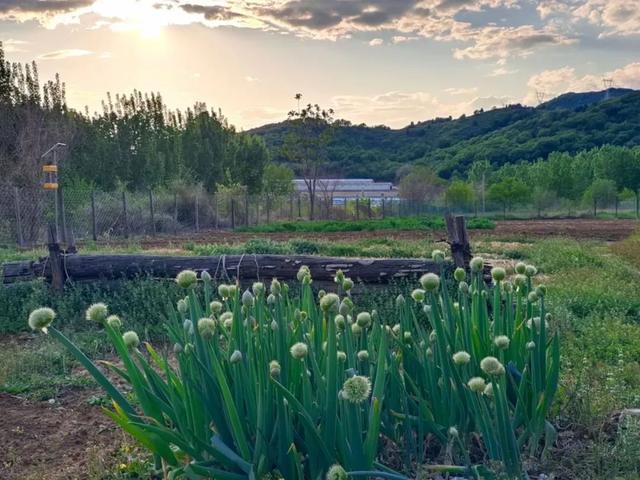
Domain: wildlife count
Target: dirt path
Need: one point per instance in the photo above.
(69, 439)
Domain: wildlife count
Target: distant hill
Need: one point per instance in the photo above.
(568, 123)
(575, 100)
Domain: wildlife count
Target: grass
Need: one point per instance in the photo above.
(375, 248)
(402, 223)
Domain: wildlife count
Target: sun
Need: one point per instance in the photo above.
(143, 17)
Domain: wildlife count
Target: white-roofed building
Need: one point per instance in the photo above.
(342, 189)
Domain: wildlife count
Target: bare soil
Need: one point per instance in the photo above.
(607, 230)
(579, 228)
(68, 439)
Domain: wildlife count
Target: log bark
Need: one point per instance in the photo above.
(223, 267)
(458, 239)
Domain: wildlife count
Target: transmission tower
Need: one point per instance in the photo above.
(607, 83)
(540, 96)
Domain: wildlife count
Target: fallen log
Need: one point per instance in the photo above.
(222, 267)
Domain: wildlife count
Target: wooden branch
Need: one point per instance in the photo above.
(223, 267)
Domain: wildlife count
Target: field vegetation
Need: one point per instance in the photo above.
(590, 294)
(402, 223)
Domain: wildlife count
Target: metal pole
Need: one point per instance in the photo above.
(55, 201)
(233, 214)
(197, 213)
(291, 207)
(175, 213)
(63, 216)
(246, 209)
(125, 214)
(151, 212)
(216, 210)
(18, 217)
(94, 227)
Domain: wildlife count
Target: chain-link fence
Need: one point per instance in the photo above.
(26, 214)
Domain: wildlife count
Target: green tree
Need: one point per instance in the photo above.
(459, 195)
(305, 147)
(509, 192)
(541, 199)
(479, 174)
(276, 184)
(622, 165)
(602, 193)
(277, 181)
(419, 184)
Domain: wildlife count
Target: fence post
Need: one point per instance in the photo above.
(357, 208)
(246, 209)
(233, 214)
(63, 215)
(216, 210)
(125, 214)
(458, 239)
(55, 261)
(94, 227)
(383, 212)
(299, 207)
(291, 207)
(369, 206)
(175, 213)
(151, 212)
(18, 217)
(258, 210)
(268, 209)
(196, 212)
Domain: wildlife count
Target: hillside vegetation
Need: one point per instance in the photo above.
(571, 123)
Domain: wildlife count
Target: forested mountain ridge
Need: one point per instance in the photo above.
(502, 135)
(575, 100)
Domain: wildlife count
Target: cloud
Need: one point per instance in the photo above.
(398, 109)
(617, 17)
(40, 10)
(12, 46)
(402, 39)
(65, 53)
(251, 79)
(614, 17)
(504, 42)
(212, 12)
(376, 42)
(461, 91)
(502, 71)
(565, 79)
(404, 20)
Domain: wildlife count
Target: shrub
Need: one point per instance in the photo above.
(401, 223)
(279, 382)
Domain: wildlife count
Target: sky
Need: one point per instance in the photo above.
(377, 62)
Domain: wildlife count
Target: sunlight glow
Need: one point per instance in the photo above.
(146, 17)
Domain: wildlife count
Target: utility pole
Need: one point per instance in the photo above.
(50, 182)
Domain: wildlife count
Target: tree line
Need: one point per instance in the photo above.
(598, 178)
(134, 142)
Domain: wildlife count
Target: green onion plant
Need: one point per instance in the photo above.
(263, 384)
